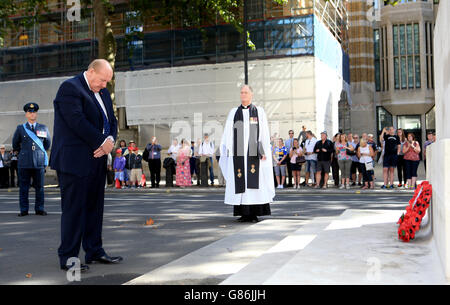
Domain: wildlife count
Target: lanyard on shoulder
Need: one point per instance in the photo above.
(36, 140)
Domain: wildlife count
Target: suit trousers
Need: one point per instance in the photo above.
(154, 165)
(82, 203)
(24, 176)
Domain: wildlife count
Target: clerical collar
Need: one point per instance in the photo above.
(245, 107)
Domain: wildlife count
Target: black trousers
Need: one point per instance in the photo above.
(13, 173)
(4, 177)
(335, 169)
(82, 202)
(154, 166)
(289, 175)
(401, 170)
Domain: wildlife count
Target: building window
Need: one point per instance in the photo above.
(406, 50)
(386, 2)
(384, 119)
(430, 120)
(429, 27)
(381, 59)
(255, 9)
(409, 122)
(376, 37)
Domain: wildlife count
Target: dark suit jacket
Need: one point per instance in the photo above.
(29, 158)
(78, 126)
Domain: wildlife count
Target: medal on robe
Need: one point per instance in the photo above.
(253, 170)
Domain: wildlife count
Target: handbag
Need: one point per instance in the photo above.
(369, 166)
(349, 152)
(300, 160)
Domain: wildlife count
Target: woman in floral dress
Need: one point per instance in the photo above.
(183, 170)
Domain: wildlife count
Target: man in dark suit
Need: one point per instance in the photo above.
(84, 134)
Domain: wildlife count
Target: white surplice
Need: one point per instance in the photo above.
(266, 191)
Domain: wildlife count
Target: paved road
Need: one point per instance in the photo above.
(184, 222)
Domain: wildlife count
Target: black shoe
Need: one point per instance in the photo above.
(106, 259)
(245, 219)
(254, 219)
(242, 219)
(42, 213)
(83, 268)
(23, 214)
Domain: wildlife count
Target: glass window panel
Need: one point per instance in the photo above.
(395, 31)
(377, 75)
(431, 38)
(417, 64)
(410, 72)
(416, 39)
(432, 72)
(403, 72)
(409, 39)
(409, 122)
(396, 73)
(387, 74)
(376, 36)
(402, 40)
(384, 119)
(430, 119)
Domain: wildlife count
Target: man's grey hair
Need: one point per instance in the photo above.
(248, 86)
(96, 64)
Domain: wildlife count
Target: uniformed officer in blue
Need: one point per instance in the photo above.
(31, 140)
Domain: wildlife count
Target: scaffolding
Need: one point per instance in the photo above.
(60, 47)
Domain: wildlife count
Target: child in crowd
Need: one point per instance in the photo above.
(134, 164)
(118, 166)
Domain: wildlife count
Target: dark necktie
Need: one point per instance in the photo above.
(32, 129)
(106, 127)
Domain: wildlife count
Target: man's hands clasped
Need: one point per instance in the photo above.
(105, 149)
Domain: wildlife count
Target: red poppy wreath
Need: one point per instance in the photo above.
(409, 222)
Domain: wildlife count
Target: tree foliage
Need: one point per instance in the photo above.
(30, 12)
(185, 13)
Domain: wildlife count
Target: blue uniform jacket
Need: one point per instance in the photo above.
(78, 127)
(29, 157)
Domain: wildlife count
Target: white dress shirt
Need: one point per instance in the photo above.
(97, 96)
(309, 148)
(207, 148)
(173, 151)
